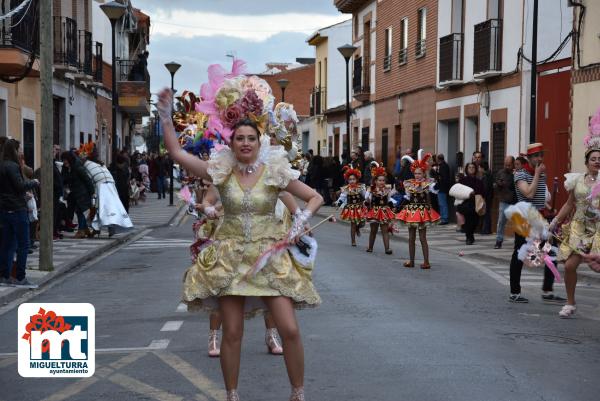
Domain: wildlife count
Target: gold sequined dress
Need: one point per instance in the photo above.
(249, 227)
(582, 232)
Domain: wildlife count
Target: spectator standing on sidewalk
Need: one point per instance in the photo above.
(118, 169)
(444, 182)
(486, 177)
(14, 217)
(505, 188)
(367, 178)
(467, 208)
(81, 190)
(530, 183)
(162, 171)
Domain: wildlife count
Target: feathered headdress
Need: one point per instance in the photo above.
(377, 170)
(592, 139)
(283, 128)
(348, 171)
(420, 163)
(230, 97)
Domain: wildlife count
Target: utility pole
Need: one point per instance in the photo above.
(47, 148)
(533, 106)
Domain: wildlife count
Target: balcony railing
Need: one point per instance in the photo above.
(387, 62)
(420, 48)
(131, 70)
(451, 57)
(403, 56)
(22, 29)
(85, 52)
(98, 63)
(65, 42)
(488, 47)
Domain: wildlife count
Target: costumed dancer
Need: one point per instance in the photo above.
(583, 204)
(109, 211)
(417, 214)
(378, 211)
(227, 274)
(351, 201)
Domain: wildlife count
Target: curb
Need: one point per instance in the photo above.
(73, 264)
(589, 276)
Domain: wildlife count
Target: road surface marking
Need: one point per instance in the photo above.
(172, 325)
(7, 362)
(72, 389)
(193, 375)
(142, 388)
(159, 344)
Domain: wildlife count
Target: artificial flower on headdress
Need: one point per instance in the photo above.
(377, 170)
(420, 163)
(350, 171)
(228, 98)
(86, 149)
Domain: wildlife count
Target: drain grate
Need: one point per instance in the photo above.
(543, 338)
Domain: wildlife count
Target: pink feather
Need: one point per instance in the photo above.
(594, 126)
(276, 249)
(238, 68)
(595, 191)
(185, 195)
(552, 268)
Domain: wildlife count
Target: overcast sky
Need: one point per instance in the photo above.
(197, 33)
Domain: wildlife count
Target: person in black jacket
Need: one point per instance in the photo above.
(81, 189)
(444, 182)
(14, 216)
(120, 173)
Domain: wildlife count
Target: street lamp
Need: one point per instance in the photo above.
(283, 83)
(347, 51)
(172, 67)
(114, 11)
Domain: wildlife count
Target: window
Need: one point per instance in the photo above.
(403, 56)
(28, 142)
(416, 137)
(421, 32)
(365, 139)
(387, 60)
(457, 16)
(356, 26)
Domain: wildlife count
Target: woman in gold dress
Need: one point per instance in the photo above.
(249, 188)
(582, 232)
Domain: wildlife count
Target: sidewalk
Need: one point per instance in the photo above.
(447, 239)
(70, 253)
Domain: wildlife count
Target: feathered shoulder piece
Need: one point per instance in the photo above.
(220, 164)
(279, 171)
(571, 180)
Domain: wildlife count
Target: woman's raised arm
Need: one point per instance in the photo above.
(193, 164)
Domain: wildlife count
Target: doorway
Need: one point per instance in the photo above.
(29, 142)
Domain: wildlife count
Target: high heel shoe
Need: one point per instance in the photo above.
(369, 250)
(388, 251)
(272, 341)
(425, 266)
(232, 395)
(297, 394)
(409, 264)
(213, 344)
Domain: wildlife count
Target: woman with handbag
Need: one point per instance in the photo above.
(473, 207)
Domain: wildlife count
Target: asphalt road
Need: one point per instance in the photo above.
(384, 332)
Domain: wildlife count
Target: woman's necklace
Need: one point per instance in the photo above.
(249, 168)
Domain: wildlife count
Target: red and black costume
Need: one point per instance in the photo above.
(418, 211)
